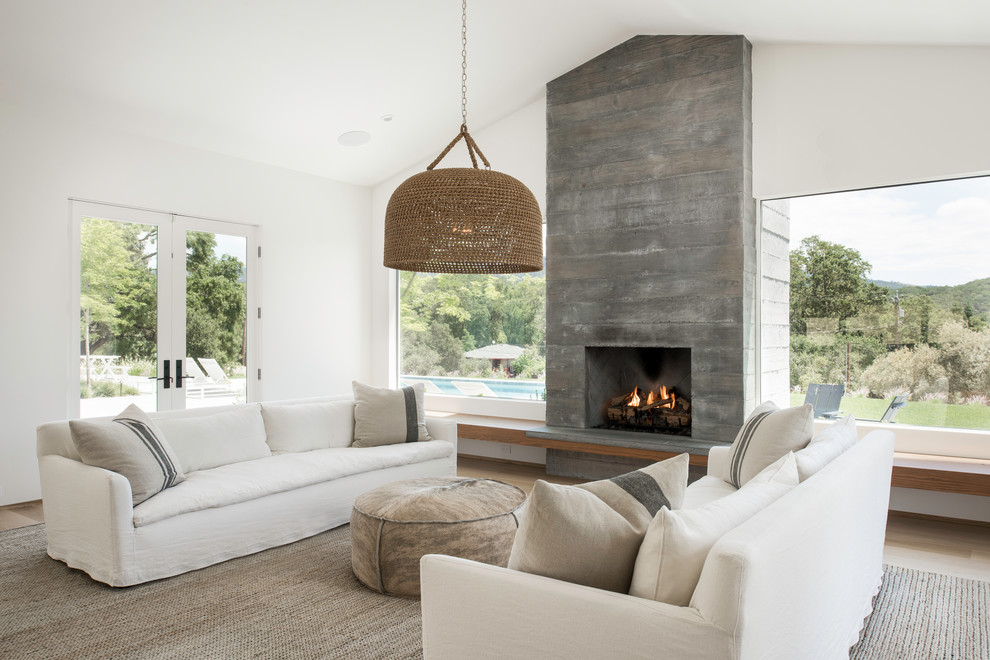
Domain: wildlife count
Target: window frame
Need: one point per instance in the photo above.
(927, 440)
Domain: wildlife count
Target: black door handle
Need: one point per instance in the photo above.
(178, 374)
(167, 377)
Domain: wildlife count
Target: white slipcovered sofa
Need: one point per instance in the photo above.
(794, 581)
(238, 497)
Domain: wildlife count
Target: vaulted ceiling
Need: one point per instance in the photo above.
(277, 81)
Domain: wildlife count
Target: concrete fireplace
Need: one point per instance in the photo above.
(651, 238)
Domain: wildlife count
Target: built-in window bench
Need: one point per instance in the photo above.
(947, 474)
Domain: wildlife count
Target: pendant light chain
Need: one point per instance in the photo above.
(464, 65)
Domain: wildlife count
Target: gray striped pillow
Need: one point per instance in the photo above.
(766, 435)
(590, 534)
(388, 417)
(130, 445)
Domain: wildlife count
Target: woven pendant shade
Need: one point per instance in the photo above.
(463, 220)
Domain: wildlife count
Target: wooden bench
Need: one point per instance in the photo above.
(946, 474)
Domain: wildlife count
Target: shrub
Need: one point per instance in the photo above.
(530, 364)
(107, 388)
(904, 371)
(144, 368)
(965, 357)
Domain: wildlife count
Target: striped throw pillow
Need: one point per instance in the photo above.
(766, 435)
(389, 417)
(130, 445)
(590, 534)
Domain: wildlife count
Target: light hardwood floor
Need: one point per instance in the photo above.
(931, 545)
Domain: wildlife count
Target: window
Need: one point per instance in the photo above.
(474, 335)
(890, 298)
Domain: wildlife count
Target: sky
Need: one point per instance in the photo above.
(926, 234)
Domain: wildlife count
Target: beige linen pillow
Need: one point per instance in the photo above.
(590, 534)
(677, 543)
(130, 445)
(388, 417)
(768, 433)
(296, 427)
(826, 446)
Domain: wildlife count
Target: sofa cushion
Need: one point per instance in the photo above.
(305, 426)
(129, 444)
(675, 547)
(204, 439)
(827, 445)
(249, 480)
(706, 489)
(589, 534)
(385, 417)
(766, 435)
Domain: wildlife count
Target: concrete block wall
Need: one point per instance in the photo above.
(651, 224)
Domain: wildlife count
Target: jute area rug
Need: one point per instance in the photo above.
(302, 601)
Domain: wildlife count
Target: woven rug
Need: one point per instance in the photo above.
(926, 616)
(302, 601)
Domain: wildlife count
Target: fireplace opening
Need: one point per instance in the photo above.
(635, 388)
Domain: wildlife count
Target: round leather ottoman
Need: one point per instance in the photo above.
(394, 525)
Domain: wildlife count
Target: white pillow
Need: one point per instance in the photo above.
(590, 534)
(767, 434)
(307, 426)
(826, 446)
(677, 543)
(204, 440)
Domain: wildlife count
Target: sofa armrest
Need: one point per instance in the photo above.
(443, 429)
(88, 511)
(717, 459)
(474, 610)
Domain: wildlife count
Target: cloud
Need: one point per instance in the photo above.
(908, 234)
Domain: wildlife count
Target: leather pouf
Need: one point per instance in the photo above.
(394, 525)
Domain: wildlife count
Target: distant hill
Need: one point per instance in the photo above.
(976, 293)
(890, 285)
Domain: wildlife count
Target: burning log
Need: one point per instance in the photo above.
(661, 411)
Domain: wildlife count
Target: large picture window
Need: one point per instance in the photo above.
(890, 302)
(474, 335)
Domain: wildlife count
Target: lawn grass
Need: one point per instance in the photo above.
(919, 413)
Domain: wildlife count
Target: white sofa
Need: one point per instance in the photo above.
(795, 581)
(248, 500)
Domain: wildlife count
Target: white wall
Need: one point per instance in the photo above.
(517, 146)
(830, 118)
(315, 240)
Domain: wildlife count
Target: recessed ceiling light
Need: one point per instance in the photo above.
(354, 138)
(388, 117)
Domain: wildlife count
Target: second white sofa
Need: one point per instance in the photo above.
(793, 581)
(238, 496)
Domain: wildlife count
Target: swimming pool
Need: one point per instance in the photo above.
(502, 388)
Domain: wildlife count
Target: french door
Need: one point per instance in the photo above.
(166, 310)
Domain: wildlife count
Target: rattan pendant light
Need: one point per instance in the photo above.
(463, 219)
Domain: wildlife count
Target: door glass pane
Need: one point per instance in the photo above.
(216, 319)
(118, 316)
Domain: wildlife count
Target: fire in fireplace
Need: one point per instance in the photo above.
(660, 411)
(645, 389)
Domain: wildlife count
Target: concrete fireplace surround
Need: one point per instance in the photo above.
(651, 234)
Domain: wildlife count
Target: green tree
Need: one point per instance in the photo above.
(829, 281)
(474, 310)
(118, 288)
(216, 301)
